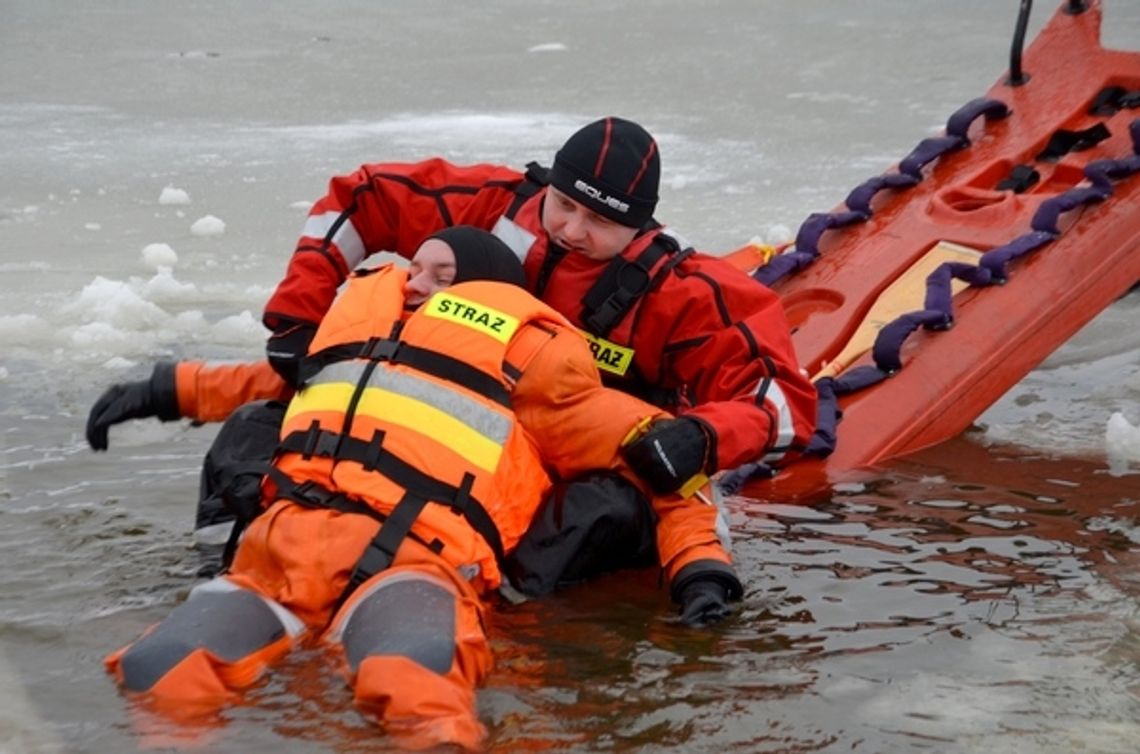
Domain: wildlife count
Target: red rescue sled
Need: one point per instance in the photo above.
(1035, 185)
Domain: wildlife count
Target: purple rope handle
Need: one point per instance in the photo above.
(858, 202)
(938, 312)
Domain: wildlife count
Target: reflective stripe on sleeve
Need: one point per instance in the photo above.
(515, 236)
(785, 428)
(346, 238)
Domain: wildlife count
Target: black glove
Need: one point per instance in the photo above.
(286, 348)
(704, 602)
(703, 589)
(671, 453)
(156, 396)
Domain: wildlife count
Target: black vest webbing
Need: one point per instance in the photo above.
(623, 283)
(420, 489)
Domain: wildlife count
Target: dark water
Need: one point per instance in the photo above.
(979, 598)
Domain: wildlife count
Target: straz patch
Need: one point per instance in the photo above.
(609, 357)
(486, 320)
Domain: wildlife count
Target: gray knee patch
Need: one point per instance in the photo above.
(231, 625)
(412, 618)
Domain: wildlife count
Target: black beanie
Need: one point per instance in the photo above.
(612, 167)
(479, 255)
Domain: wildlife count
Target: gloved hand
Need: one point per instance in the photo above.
(156, 396)
(286, 348)
(704, 589)
(704, 602)
(670, 453)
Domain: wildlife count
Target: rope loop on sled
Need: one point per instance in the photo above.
(858, 202)
(938, 313)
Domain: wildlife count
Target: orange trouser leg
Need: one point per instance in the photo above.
(414, 646)
(222, 638)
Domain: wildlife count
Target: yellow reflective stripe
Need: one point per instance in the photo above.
(499, 325)
(608, 356)
(495, 424)
(425, 419)
(330, 396)
(469, 428)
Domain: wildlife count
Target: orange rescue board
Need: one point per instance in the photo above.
(867, 270)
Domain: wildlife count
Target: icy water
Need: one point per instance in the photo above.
(157, 161)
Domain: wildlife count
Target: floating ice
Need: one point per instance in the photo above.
(171, 195)
(1122, 444)
(548, 47)
(241, 329)
(24, 329)
(208, 226)
(155, 255)
(777, 235)
(115, 304)
(163, 287)
(119, 364)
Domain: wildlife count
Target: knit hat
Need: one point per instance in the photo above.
(612, 167)
(479, 255)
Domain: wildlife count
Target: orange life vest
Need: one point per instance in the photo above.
(413, 418)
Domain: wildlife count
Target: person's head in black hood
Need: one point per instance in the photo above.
(458, 255)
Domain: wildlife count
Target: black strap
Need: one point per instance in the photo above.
(421, 359)
(381, 551)
(1064, 141)
(621, 285)
(373, 457)
(554, 255)
(537, 177)
(1020, 179)
(313, 495)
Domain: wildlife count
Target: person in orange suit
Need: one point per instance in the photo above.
(431, 421)
(656, 311)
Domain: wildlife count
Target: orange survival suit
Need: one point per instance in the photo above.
(411, 461)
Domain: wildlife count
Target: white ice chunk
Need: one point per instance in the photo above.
(208, 226)
(171, 195)
(1122, 444)
(155, 255)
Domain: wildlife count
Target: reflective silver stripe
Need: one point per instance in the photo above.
(491, 424)
(341, 371)
(346, 238)
(785, 429)
(723, 532)
(514, 235)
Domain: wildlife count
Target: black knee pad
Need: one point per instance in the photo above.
(588, 526)
(231, 625)
(411, 618)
